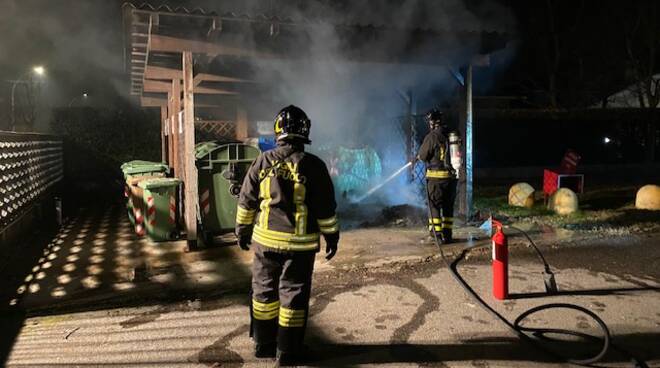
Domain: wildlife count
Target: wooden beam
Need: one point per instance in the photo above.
(213, 91)
(164, 87)
(172, 44)
(159, 72)
(205, 77)
(190, 185)
(152, 102)
(157, 86)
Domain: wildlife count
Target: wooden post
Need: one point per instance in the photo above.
(170, 139)
(241, 123)
(176, 132)
(164, 134)
(190, 184)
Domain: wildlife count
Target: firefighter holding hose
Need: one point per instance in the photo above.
(287, 201)
(441, 176)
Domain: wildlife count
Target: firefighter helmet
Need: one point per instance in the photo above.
(434, 119)
(291, 123)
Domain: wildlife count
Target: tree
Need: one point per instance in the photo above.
(641, 38)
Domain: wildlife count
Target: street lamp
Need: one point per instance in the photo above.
(38, 71)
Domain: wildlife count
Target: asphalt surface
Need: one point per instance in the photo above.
(408, 313)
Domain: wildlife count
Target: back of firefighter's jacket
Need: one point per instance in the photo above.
(434, 151)
(288, 197)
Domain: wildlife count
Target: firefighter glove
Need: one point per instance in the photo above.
(331, 241)
(244, 241)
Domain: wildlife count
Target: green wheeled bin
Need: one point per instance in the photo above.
(161, 207)
(139, 168)
(221, 169)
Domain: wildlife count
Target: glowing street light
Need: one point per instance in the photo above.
(39, 71)
(607, 140)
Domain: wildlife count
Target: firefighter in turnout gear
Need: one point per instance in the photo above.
(287, 201)
(440, 177)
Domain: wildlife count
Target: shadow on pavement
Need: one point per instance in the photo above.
(643, 345)
(592, 292)
(95, 262)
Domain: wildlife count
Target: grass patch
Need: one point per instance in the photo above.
(600, 208)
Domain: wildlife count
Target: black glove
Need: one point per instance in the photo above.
(331, 241)
(244, 242)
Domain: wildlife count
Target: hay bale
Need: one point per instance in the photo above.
(521, 195)
(563, 202)
(648, 198)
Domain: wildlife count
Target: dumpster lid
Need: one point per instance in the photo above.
(140, 163)
(204, 148)
(137, 167)
(134, 180)
(154, 183)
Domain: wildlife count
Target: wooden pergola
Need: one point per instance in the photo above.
(186, 60)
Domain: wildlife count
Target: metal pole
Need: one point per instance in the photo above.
(468, 144)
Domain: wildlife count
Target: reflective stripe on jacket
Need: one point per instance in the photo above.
(287, 200)
(434, 151)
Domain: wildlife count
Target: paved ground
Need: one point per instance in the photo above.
(386, 299)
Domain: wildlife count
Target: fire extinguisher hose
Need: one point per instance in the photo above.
(540, 334)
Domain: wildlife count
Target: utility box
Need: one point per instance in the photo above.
(221, 169)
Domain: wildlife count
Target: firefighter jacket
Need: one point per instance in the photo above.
(435, 153)
(287, 200)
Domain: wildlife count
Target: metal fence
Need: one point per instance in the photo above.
(30, 164)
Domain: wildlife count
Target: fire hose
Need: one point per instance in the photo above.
(541, 334)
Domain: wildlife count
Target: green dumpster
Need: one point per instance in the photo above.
(135, 202)
(139, 168)
(221, 169)
(160, 203)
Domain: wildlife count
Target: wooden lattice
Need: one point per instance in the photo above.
(215, 130)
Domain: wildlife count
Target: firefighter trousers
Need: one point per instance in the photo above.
(442, 194)
(281, 286)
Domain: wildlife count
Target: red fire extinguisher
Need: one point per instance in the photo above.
(500, 263)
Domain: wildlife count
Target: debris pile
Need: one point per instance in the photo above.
(399, 216)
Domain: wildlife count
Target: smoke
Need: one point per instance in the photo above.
(79, 43)
(359, 104)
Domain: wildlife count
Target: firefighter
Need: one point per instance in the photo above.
(287, 200)
(441, 177)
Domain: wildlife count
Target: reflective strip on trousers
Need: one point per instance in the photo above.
(292, 317)
(265, 311)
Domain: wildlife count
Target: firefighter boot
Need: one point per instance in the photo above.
(447, 226)
(265, 350)
(431, 238)
(446, 237)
